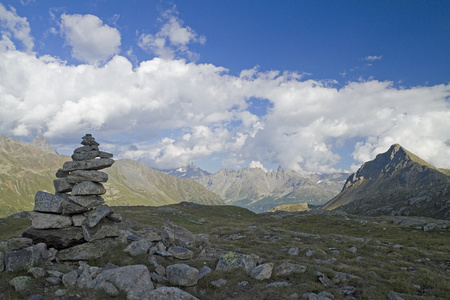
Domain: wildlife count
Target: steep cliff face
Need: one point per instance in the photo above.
(396, 182)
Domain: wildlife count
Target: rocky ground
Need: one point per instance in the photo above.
(189, 251)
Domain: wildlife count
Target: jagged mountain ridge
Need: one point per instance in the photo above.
(396, 182)
(259, 191)
(24, 170)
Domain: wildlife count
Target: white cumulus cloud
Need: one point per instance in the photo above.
(90, 39)
(173, 38)
(16, 27)
(170, 112)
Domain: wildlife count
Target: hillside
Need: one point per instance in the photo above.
(396, 182)
(305, 255)
(24, 170)
(133, 183)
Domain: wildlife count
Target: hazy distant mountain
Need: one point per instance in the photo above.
(396, 182)
(259, 191)
(24, 170)
(42, 144)
(191, 171)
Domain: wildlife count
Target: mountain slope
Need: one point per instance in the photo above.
(24, 170)
(133, 183)
(259, 191)
(396, 182)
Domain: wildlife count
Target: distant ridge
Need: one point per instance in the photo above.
(396, 182)
(42, 144)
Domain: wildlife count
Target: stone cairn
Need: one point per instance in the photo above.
(76, 213)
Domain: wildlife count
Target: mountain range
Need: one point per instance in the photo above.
(396, 182)
(260, 191)
(25, 169)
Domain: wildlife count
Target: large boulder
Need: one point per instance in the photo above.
(134, 280)
(56, 238)
(174, 235)
(182, 275)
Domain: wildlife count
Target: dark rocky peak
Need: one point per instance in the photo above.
(42, 144)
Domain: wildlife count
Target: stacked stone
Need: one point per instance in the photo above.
(76, 213)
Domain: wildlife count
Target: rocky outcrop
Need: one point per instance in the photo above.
(76, 213)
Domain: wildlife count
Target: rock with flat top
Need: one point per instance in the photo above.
(49, 221)
(92, 164)
(87, 188)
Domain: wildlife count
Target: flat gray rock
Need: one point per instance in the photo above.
(86, 251)
(49, 221)
(56, 238)
(87, 201)
(78, 176)
(93, 164)
(87, 188)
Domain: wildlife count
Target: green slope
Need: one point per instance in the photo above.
(25, 170)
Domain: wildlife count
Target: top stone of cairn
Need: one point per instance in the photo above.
(89, 140)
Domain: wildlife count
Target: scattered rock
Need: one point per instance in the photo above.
(164, 293)
(182, 275)
(18, 243)
(353, 249)
(20, 283)
(219, 282)
(134, 280)
(70, 279)
(262, 272)
(181, 253)
(286, 269)
(205, 270)
(174, 235)
(293, 251)
(140, 247)
(233, 260)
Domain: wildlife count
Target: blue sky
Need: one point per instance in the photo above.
(313, 86)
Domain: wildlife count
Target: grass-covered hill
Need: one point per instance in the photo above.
(24, 170)
(346, 256)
